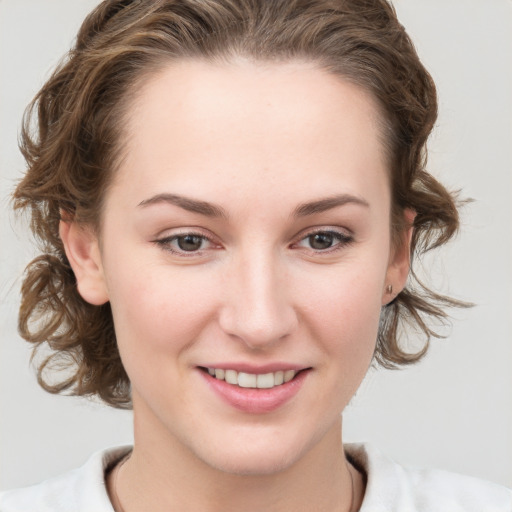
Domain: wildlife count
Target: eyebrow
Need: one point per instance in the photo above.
(187, 203)
(211, 210)
(328, 203)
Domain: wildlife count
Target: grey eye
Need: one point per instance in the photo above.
(325, 241)
(186, 244)
(321, 241)
(190, 243)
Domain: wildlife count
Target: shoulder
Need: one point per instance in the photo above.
(79, 490)
(391, 487)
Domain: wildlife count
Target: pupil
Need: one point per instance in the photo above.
(190, 242)
(321, 240)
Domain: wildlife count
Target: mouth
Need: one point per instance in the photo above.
(255, 393)
(253, 380)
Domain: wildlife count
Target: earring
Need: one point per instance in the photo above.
(389, 289)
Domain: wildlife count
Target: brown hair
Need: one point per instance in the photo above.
(79, 111)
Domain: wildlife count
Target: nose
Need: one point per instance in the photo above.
(258, 309)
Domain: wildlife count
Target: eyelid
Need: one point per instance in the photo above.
(344, 236)
(164, 241)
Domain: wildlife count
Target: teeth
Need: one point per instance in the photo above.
(247, 380)
(265, 380)
(288, 375)
(251, 380)
(231, 377)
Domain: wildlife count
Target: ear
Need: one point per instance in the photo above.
(83, 253)
(399, 261)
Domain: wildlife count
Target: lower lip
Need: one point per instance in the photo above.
(254, 400)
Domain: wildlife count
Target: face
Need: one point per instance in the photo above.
(246, 232)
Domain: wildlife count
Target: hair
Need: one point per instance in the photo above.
(72, 132)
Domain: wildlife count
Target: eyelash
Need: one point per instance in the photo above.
(340, 240)
(165, 243)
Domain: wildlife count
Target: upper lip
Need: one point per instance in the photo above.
(256, 368)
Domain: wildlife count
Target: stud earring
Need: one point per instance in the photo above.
(389, 289)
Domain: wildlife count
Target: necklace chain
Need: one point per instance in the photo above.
(118, 506)
(351, 509)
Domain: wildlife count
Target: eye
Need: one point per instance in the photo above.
(185, 243)
(322, 241)
(190, 243)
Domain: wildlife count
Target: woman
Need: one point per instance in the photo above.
(230, 194)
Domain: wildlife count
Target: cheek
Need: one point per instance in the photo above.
(156, 310)
(343, 309)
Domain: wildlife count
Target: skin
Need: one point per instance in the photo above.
(257, 140)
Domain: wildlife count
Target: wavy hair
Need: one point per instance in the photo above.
(72, 133)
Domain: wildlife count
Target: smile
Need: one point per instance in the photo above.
(252, 380)
(260, 392)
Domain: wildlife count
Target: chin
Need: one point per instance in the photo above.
(264, 455)
(250, 464)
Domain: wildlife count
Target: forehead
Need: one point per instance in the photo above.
(195, 124)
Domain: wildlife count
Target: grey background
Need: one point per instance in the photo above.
(454, 410)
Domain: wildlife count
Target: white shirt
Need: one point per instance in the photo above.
(390, 488)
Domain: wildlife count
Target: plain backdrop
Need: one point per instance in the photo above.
(452, 411)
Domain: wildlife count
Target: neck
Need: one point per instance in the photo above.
(163, 474)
